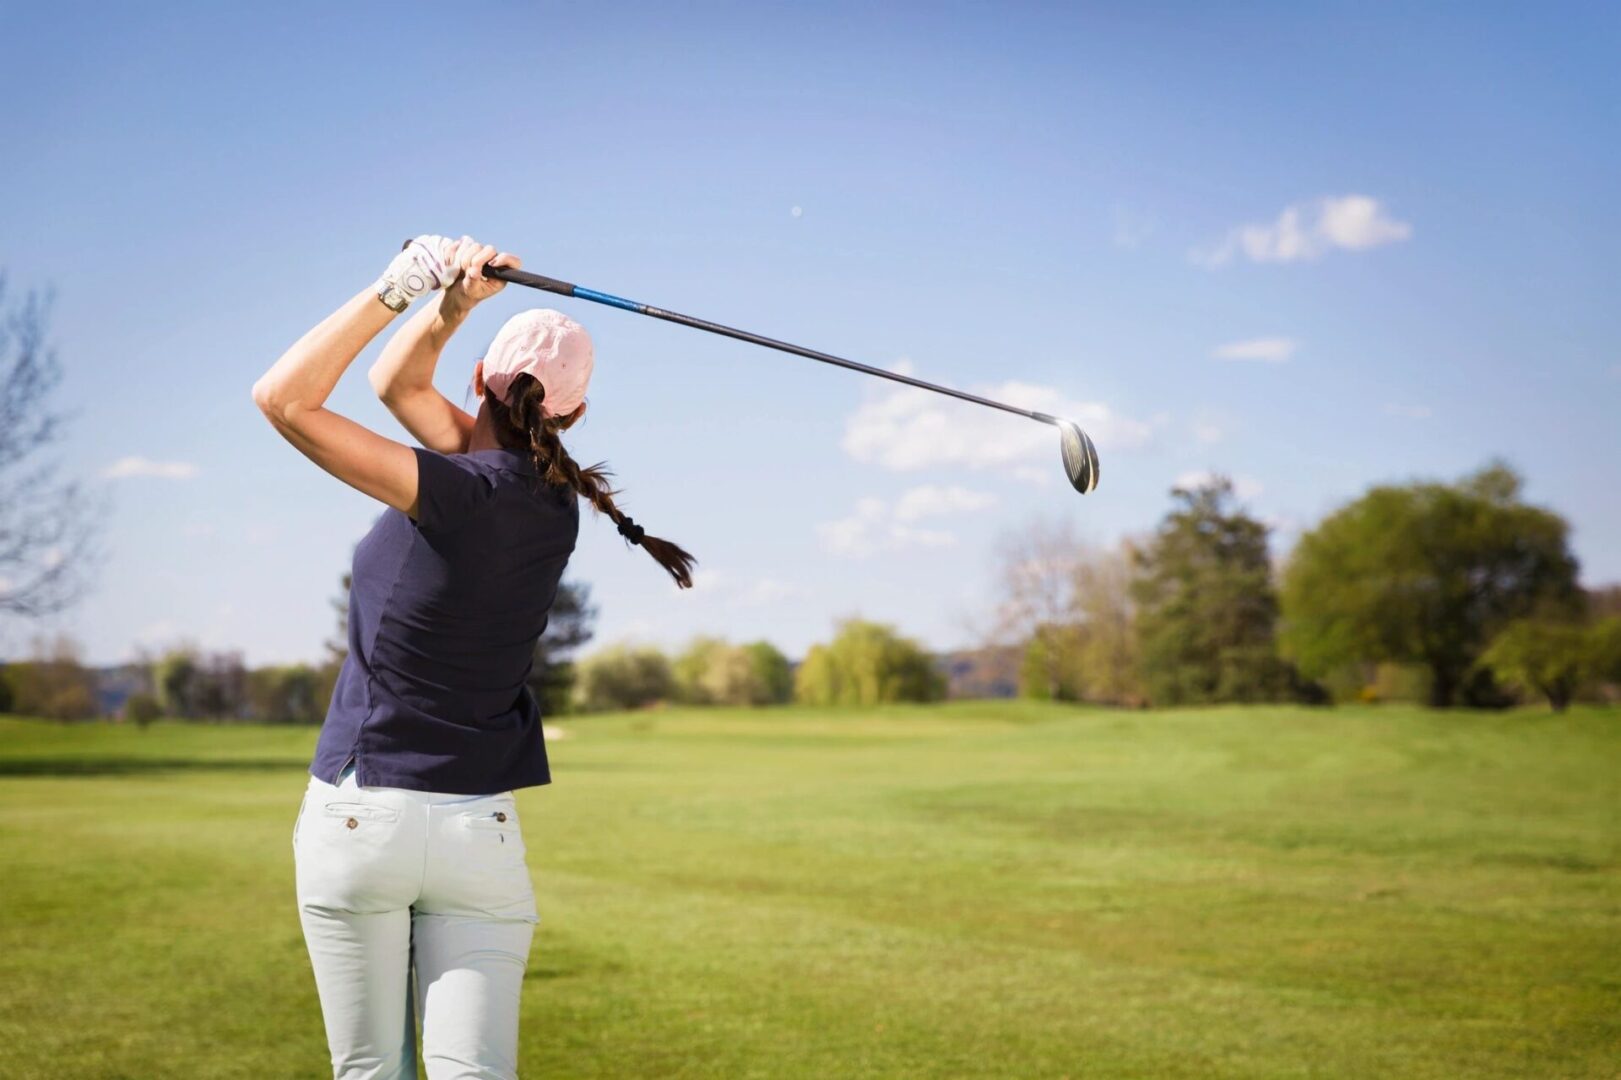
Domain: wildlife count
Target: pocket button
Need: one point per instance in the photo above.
(500, 815)
(351, 824)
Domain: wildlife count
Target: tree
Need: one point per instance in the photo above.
(174, 677)
(1206, 609)
(730, 680)
(195, 685)
(1038, 606)
(47, 526)
(568, 627)
(1426, 573)
(1069, 606)
(772, 673)
(53, 682)
(867, 664)
(285, 695)
(1555, 659)
(711, 671)
(142, 710)
(1107, 656)
(624, 677)
(691, 667)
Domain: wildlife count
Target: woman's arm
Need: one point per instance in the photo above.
(403, 374)
(292, 394)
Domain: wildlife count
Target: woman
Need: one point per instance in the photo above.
(410, 862)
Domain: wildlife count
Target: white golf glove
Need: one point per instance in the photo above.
(427, 263)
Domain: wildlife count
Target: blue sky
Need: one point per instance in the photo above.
(1315, 247)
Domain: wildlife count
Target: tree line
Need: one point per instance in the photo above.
(1448, 593)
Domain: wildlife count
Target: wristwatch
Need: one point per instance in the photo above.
(391, 296)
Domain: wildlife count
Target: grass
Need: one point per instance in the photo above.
(972, 890)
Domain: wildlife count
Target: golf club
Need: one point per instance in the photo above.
(1080, 456)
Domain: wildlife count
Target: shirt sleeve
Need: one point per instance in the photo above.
(451, 491)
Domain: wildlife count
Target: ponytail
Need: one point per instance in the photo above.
(524, 425)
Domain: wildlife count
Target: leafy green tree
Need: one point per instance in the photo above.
(867, 663)
(624, 677)
(1206, 609)
(141, 710)
(285, 695)
(772, 673)
(53, 682)
(729, 678)
(174, 676)
(1604, 649)
(1555, 659)
(1426, 573)
(691, 669)
(711, 671)
(1051, 668)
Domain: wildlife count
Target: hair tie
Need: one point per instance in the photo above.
(631, 531)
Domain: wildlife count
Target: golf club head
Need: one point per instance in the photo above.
(1080, 456)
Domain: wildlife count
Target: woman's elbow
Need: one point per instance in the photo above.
(275, 405)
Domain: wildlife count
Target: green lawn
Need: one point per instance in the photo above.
(979, 889)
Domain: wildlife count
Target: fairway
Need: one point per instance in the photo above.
(968, 890)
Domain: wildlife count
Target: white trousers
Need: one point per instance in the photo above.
(414, 904)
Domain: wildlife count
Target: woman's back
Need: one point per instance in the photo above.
(444, 613)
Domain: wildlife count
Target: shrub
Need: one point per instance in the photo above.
(624, 677)
(867, 664)
(142, 709)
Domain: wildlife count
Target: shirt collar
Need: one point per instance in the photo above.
(519, 461)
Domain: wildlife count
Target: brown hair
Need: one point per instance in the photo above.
(523, 425)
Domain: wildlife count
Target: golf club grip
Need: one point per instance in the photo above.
(534, 281)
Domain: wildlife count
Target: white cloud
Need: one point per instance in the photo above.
(1245, 487)
(1270, 350)
(1310, 230)
(127, 467)
(874, 528)
(726, 589)
(932, 501)
(704, 580)
(1208, 433)
(907, 429)
(1407, 412)
(768, 591)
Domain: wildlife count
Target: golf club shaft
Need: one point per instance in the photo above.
(564, 288)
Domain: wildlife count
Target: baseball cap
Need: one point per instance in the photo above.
(548, 345)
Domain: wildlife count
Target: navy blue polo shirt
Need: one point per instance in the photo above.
(444, 612)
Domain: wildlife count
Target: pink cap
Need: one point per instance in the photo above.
(548, 345)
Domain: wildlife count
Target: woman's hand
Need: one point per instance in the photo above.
(426, 263)
(473, 286)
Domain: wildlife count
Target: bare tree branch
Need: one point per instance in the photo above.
(49, 527)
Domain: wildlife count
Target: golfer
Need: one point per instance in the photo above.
(412, 885)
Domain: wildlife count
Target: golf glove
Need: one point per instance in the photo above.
(426, 263)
